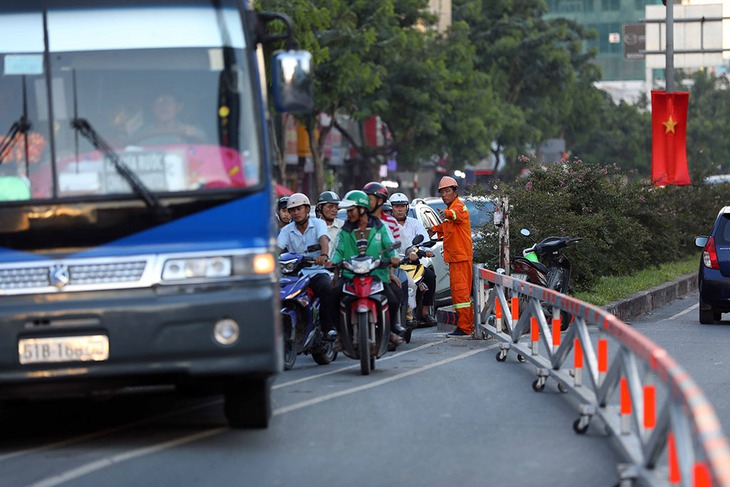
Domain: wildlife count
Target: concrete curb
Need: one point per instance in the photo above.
(645, 302)
(626, 309)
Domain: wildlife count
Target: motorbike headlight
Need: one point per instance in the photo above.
(288, 266)
(361, 266)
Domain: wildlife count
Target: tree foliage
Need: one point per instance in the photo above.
(502, 79)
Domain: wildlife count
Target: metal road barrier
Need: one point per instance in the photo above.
(664, 429)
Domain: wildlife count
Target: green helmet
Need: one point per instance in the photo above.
(355, 198)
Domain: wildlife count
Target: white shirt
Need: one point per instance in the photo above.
(295, 241)
(332, 232)
(409, 230)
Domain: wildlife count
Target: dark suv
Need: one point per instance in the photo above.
(714, 274)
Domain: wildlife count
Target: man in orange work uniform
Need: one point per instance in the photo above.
(456, 230)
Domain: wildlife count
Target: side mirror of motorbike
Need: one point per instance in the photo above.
(501, 271)
(525, 232)
(417, 240)
(701, 241)
(430, 243)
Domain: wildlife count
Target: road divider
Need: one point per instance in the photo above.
(656, 416)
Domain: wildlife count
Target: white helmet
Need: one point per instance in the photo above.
(297, 199)
(399, 199)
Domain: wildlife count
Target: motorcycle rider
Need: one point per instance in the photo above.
(360, 220)
(327, 206)
(411, 227)
(378, 195)
(282, 214)
(301, 233)
(456, 230)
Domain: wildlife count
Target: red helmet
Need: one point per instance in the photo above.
(376, 189)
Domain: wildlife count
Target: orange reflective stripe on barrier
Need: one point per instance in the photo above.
(577, 354)
(675, 476)
(577, 363)
(556, 332)
(497, 309)
(701, 476)
(625, 397)
(535, 336)
(515, 309)
(649, 406)
(602, 356)
(625, 407)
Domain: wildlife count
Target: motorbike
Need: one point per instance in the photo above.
(545, 264)
(365, 315)
(415, 270)
(301, 330)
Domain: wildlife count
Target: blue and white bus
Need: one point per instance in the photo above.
(136, 220)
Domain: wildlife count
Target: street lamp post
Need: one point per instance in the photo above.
(669, 71)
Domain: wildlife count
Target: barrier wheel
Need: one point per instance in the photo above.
(562, 387)
(538, 385)
(579, 427)
(521, 358)
(501, 356)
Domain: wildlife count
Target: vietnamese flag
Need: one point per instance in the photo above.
(669, 138)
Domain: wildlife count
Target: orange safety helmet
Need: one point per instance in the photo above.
(446, 182)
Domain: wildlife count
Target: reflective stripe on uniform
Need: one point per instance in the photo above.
(453, 213)
(461, 305)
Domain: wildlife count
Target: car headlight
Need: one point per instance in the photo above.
(208, 267)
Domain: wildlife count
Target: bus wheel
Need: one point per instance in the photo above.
(248, 402)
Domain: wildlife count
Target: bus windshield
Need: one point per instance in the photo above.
(172, 102)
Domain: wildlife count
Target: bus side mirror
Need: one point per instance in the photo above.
(292, 81)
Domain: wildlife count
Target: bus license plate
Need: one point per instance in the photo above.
(92, 348)
(519, 277)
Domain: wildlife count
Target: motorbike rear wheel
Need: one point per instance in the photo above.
(364, 343)
(289, 342)
(327, 355)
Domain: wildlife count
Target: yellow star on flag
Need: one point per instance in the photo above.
(669, 125)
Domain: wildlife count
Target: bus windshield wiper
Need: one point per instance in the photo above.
(19, 126)
(84, 128)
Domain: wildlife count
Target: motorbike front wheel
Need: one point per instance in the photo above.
(364, 343)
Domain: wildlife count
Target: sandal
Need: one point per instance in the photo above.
(396, 339)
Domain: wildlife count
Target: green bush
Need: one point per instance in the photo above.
(626, 223)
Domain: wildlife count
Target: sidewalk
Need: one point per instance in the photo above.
(625, 309)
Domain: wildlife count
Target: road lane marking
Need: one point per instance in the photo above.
(91, 436)
(113, 460)
(116, 429)
(681, 313)
(356, 365)
(370, 385)
(110, 461)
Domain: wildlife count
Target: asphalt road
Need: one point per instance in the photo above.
(701, 349)
(439, 412)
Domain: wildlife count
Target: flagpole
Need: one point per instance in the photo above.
(669, 71)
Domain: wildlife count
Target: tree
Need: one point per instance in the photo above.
(621, 136)
(380, 57)
(707, 121)
(534, 66)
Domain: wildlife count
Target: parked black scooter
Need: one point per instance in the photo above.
(544, 264)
